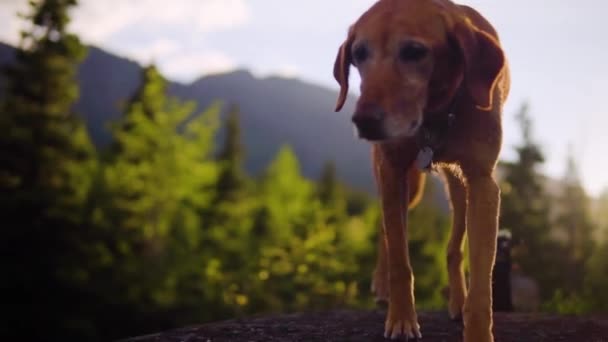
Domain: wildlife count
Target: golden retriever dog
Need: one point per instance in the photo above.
(433, 82)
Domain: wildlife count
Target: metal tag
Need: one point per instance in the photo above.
(424, 159)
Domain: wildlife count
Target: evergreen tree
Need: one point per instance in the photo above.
(574, 223)
(596, 279)
(159, 158)
(46, 166)
(157, 178)
(306, 259)
(581, 264)
(229, 227)
(44, 144)
(331, 193)
(525, 210)
(230, 208)
(328, 186)
(285, 194)
(600, 213)
(231, 180)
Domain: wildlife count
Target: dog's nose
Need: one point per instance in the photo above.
(369, 122)
(366, 121)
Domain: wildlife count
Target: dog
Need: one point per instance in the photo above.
(433, 82)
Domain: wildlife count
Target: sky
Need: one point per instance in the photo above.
(557, 51)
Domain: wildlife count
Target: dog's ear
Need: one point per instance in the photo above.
(483, 59)
(342, 69)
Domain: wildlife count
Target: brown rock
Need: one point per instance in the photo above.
(368, 326)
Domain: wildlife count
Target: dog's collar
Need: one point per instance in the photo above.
(432, 134)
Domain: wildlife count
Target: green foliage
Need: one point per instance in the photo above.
(46, 169)
(596, 278)
(574, 224)
(581, 262)
(331, 193)
(153, 186)
(525, 212)
(231, 180)
(161, 163)
(300, 239)
(286, 196)
(600, 215)
(43, 141)
(554, 235)
(566, 303)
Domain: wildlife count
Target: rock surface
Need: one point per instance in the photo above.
(367, 326)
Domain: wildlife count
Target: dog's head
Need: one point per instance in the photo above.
(412, 56)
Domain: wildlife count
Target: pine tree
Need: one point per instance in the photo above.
(596, 279)
(306, 259)
(158, 176)
(574, 223)
(525, 210)
(231, 180)
(600, 213)
(231, 219)
(46, 167)
(331, 193)
(286, 194)
(44, 143)
(159, 158)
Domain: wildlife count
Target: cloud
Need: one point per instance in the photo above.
(220, 14)
(97, 21)
(285, 70)
(186, 67)
(171, 34)
(154, 51)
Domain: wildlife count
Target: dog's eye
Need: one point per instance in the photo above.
(412, 51)
(360, 54)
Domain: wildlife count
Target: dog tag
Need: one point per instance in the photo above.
(425, 158)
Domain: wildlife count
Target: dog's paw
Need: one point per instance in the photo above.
(477, 322)
(455, 315)
(455, 305)
(399, 324)
(456, 297)
(473, 335)
(380, 287)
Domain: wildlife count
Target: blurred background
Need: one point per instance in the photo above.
(165, 164)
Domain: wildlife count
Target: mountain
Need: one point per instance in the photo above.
(274, 111)
(277, 111)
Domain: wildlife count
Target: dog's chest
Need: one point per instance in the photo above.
(455, 139)
(434, 140)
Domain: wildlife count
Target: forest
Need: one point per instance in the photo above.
(165, 228)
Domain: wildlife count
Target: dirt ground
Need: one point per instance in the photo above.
(367, 326)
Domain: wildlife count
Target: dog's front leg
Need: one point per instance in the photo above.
(482, 221)
(380, 286)
(392, 182)
(458, 201)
